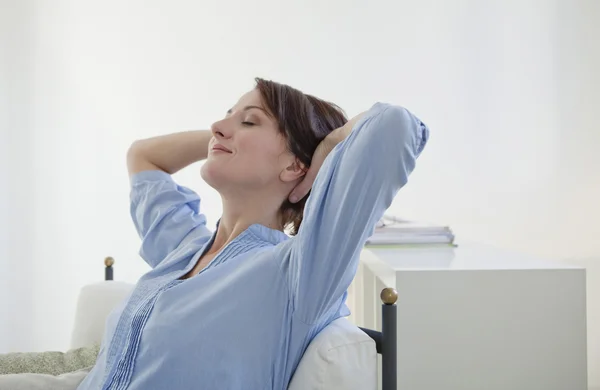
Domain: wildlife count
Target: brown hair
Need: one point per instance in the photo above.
(304, 120)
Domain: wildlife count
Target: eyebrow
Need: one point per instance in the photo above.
(249, 108)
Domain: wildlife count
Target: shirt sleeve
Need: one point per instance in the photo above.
(356, 184)
(165, 214)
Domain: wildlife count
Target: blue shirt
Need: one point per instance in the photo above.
(246, 319)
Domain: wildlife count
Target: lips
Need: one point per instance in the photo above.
(221, 148)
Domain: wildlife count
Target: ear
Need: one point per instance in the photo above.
(294, 171)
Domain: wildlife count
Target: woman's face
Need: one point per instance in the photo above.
(247, 150)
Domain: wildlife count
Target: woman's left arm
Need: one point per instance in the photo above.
(355, 185)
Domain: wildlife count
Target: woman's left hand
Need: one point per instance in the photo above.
(321, 153)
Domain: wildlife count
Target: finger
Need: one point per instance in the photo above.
(306, 184)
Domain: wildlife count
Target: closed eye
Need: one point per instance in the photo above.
(248, 123)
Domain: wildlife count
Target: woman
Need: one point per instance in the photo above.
(236, 309)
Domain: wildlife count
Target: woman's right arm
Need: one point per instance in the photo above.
(169, 153)
(166, 215)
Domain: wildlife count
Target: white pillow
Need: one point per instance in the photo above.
(94, 304)
(341, 356)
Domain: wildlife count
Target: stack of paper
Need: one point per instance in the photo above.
(395, 231)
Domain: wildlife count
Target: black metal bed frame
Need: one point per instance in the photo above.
(385, 341)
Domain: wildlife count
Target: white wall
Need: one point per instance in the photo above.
(3, 172)
(16, 188)
(508, 89)
(514, 158)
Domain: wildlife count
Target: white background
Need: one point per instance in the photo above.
(510, 90)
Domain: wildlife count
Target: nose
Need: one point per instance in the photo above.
(221, 129)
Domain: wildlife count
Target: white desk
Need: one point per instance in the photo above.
(476, 317)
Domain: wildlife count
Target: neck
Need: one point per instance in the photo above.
(243, 210)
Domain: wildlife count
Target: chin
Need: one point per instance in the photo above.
(216, 176)
(209, 174)
(224, 180)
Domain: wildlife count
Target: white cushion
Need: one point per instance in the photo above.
(66, 381)
(341, 356)
(94, 304)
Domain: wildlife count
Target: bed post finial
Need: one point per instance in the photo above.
(389, 296)
(109, 261)
(108, 271)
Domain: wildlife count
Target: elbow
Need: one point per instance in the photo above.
(134, 151)
(136, 159)
(407, 128)
(140, 158)
(135, 146)
(138, 149)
